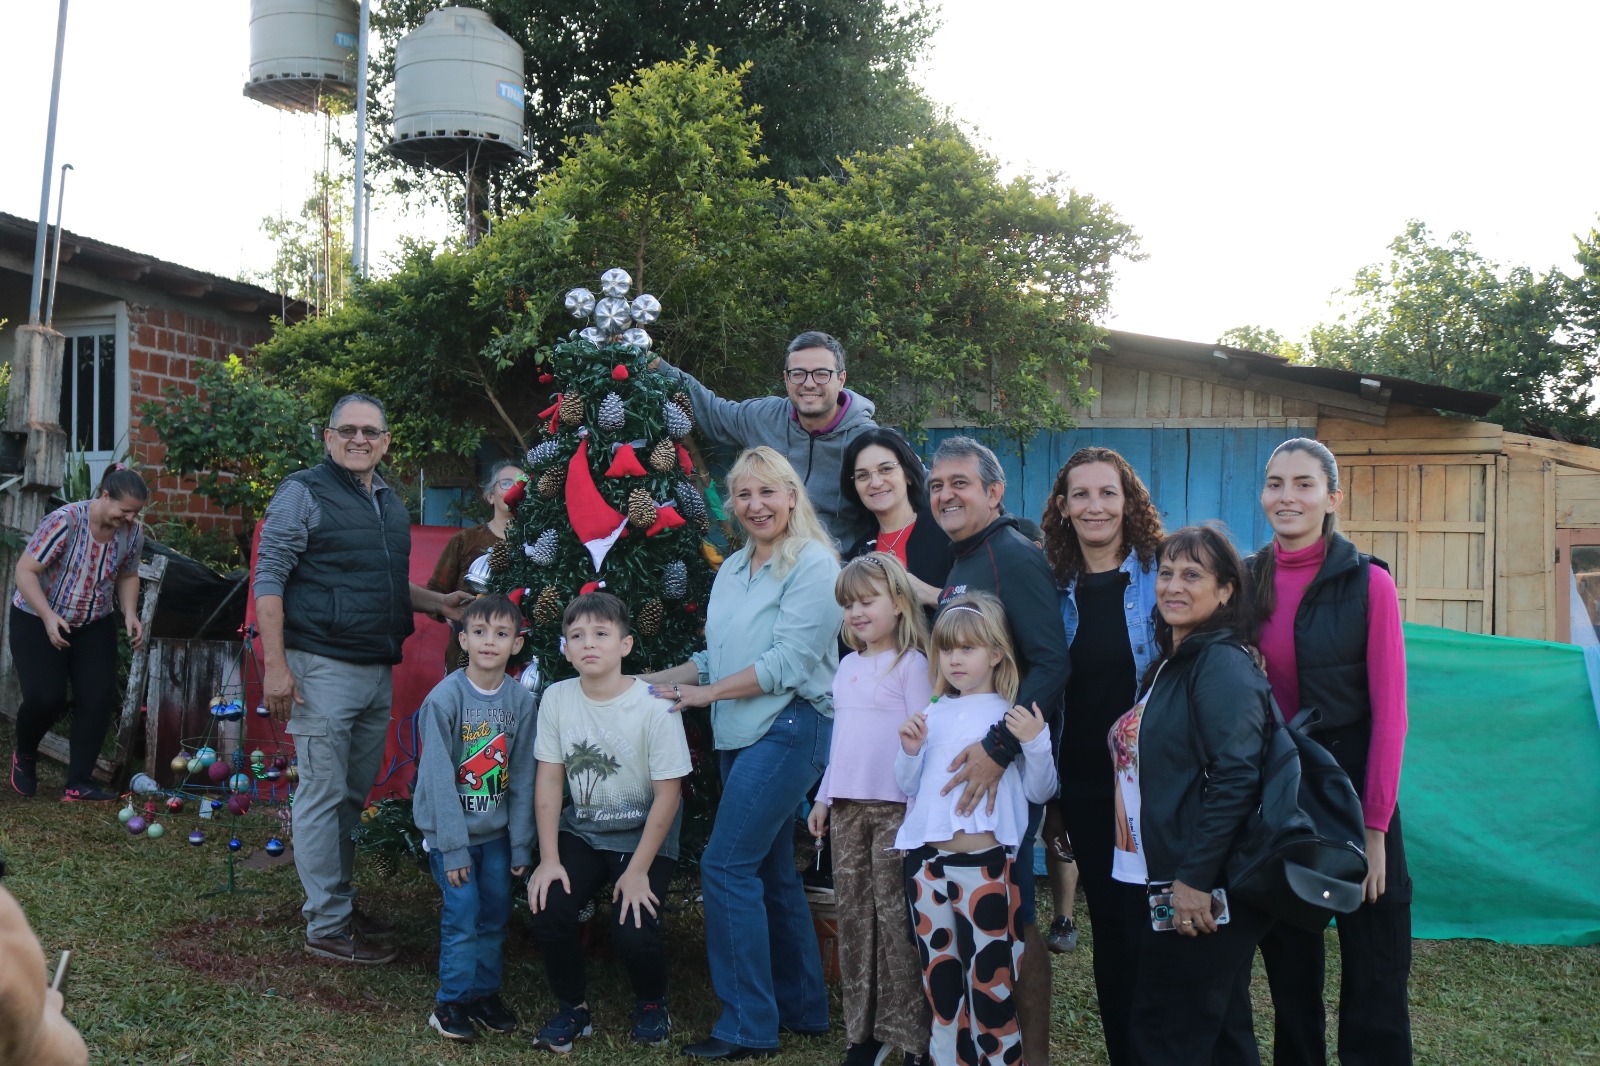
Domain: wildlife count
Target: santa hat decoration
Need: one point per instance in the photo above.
(667, 517)
(595, 521)
(684, 461)
(515, 595)
(515, 493)
(591, 586)
(624, 461)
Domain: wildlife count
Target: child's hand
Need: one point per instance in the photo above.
(817, 821)
(1023, 723)
(457, 878)
(913, 731)
(633, 889)
(539, 884)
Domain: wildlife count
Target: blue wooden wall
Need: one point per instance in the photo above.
(1193, 474)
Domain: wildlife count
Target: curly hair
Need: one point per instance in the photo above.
(1141, 522)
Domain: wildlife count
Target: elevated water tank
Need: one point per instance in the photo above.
(302, 52)
(457, 93)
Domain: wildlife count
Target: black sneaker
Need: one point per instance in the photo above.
(90, 793)
(450, 1021)
(492, 1013)
(25, 774)
(865, 1053)
(564, 1027)
(1063, 935)
(651, 1022)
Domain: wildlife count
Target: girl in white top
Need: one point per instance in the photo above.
(884, 679)
(963, 896)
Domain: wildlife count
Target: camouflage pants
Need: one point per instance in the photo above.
(880, 972)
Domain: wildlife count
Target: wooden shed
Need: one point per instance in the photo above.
(1485, 531)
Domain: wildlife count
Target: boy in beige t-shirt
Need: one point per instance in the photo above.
(622, 754)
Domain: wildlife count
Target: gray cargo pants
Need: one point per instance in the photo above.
(339, 733)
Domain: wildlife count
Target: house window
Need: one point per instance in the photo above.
(94, 393)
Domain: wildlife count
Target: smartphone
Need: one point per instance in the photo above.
(1164, 916)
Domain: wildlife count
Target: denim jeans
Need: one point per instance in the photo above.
(472, 924)
(760, 942)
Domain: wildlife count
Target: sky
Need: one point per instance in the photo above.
(1264, 152)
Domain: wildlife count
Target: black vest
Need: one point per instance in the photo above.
(1330, 649)
(349, 595)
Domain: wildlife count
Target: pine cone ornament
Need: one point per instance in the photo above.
(547, 608)
(650, 616)
(693, 506)
(675, 579)
(684, 404)
(611, 414)
(571, 408)
(551, 480)
(540, 454)
(641, 509)
(663, 457)
(543, 550)
(500, 558)
(678, 423)
(381, 865)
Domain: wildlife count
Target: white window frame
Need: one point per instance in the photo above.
(94, 322)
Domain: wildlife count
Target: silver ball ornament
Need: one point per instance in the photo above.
(580, 302)
(645, 308)
(612, 315)
(594, 336)
(638, 338)
(616, 282)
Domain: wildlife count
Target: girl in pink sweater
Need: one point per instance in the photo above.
(1335, 655)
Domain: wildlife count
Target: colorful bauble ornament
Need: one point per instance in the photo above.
(641, 509)
(239, 782)
(663, 457)
(678, 424)
(547, 608)
(273, 773)
(137, 825)
(544, 452)
(197, 838)
(180, 763)
(579, 302)
(175, 805)
(218, 772)
(571, 408)
(258, 756)
(543, 550)
(620, 372)
(551, 482)
(616, 282)
(645, 309)
(612, 315)
(500, 558)
(594, 336)
(638, 338)
(235, 844)
(292, 774)
(237, 758)
(675, 579)
(611, 416)
(156, 831)
(126, 815)
(238, 805)
(545, 379)
(262, 712)
(206, 756)
(649, 618)
(274, 847)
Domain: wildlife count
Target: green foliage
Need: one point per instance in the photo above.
(313, 248)
(953, 291)
(1440, 312)
(1262, 339)
(238, 436)
(216, 547)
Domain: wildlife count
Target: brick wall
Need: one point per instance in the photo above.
(166, 348)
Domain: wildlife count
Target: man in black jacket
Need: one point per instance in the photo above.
(966, 486)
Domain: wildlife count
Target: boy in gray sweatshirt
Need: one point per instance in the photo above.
(473, 801)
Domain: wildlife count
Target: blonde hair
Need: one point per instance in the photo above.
(765, 466)
(868, 575)
(975, 619)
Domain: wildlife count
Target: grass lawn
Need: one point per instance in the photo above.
(161, 975)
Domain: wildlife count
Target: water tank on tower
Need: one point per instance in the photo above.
(458, 93)
(302, 52)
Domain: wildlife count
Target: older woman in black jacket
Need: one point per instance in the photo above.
(1188, 766)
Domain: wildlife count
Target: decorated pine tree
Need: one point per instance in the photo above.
(610, 500)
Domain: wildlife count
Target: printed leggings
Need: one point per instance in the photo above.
(964, 910)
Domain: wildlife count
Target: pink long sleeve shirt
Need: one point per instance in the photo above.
(871, 698)
(1386, 669)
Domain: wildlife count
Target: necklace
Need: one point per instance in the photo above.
(887, 545)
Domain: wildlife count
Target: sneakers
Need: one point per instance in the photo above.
(450, 1021)
(1063, 935)
(492, 1013)
(352, 948)
(90, 793)
(868, 1052)
(25, 774)
(651, 1023)
(565, 1026)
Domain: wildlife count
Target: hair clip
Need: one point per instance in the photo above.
(962, 607)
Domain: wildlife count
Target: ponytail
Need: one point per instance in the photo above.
(122, 483)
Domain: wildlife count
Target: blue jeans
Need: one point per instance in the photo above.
(472, 925)
(766, 967)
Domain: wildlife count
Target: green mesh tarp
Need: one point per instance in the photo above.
(1501, 789)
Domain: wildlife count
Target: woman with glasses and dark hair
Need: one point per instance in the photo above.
(472, 546)
(885, 491)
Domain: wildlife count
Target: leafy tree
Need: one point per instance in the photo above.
(587, 765)
(238, 436)
(1440, 312)
(1262, 339)
(831, 77)
(313, 248)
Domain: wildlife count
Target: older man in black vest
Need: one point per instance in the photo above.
(334, 600)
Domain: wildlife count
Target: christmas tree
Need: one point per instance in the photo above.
(609, 501)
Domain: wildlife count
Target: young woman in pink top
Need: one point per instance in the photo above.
(1336, 659)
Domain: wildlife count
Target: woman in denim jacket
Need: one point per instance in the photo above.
(1101, 533)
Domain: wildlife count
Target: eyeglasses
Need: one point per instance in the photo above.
(882, 470)
(367, 432)
(821, 375)
(505, 483)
